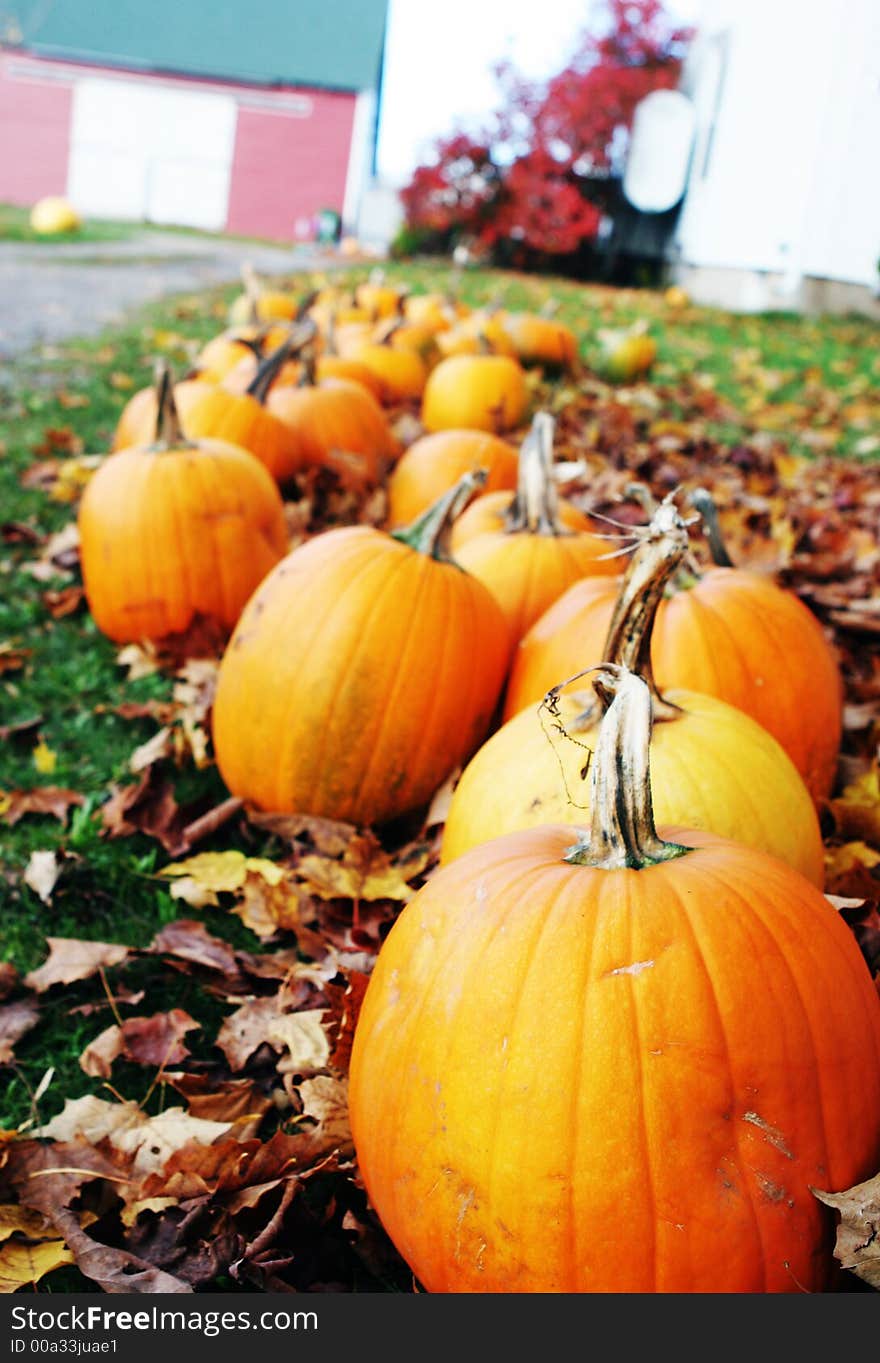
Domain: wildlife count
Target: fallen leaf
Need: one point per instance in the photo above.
(153, 750)
(856, 811)
(13, 659)
(247, 1029)
(225, 1167)
(24, 1265)
(303, 1037)
(158, 1040)
(98, 1057)
(51, 800)
(63, 602)
(32, 1224)
(16, 1019)
(21, 728)
(858, 1233)
(221, 1100)
(325, 1101)
(201, 878)
(190, 942)
(149, 1141)
(71, 959)
(44, 759)
(41, 873)
(8, 978)
(115, 1270)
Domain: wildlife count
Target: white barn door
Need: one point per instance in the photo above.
(152, 152)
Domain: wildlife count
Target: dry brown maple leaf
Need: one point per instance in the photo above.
(858, 1233)
(52, 800)
(71, 959)
(16, 1019)
(156, 1040)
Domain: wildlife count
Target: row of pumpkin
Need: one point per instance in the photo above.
(366, 666)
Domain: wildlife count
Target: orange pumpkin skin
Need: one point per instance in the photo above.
(482, 392)
(137, 421)
(400, 373)
(166, 535)
(567, 1079)
(435, 462)
(241, 420)
(360, 674)
(239, 379)
(337, 425)
(540, 340)
(728, 636)
(525, 571)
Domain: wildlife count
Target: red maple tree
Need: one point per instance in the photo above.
(533, 176)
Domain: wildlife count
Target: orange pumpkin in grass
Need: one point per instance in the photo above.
(482, 392)
(175, 529)
(434, 463)
(364, 670)
(729, 633)
(400, 371)
(479, 333)
(527, 546)
(541, 340)
(244, 419)
(716, 769)
(378, 299)
(258, 303)
(586, 1062)
(336, 424)
(137, 421)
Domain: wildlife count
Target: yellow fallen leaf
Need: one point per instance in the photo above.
(44, 759)
(14, 1217)
(23, 1265)
(856, 810)
(199, 879)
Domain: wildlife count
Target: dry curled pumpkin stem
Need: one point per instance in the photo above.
(628, 642)
(622, 831)
(430, 533)
(301, 334)
(169, 432)
(703, 502)
(535, 506)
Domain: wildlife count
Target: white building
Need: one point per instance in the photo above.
(782, 208)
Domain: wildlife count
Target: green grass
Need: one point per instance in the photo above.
(108, 891)
(15, 226)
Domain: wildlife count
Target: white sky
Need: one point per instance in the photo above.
(438, 60)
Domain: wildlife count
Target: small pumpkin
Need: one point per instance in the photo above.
(482, 392)
(433, 463)
(541, 340)
(715, 768)
(362, 672)
(378, 299)
(399, 370)
(616, 1062)
(175, 529)
(528, 547)
(244, 418)
(260, 304)
(53, 215)
(137, 420)
(626, 355)
(726, 632)
(336, 424)
(435, 310)
(479, 333)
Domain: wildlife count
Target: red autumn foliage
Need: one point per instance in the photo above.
(533, 176)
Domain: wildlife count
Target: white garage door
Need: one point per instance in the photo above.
(151, 152)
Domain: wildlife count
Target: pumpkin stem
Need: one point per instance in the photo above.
(622, 830)
(703, 502)
(430, 533)
(169, 432)
(252, 288)
(628, 642)
(535, 507)
(300, 334)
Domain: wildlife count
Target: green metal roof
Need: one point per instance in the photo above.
(335, 44)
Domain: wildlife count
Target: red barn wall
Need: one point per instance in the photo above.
(35, 123)
(291, 155)
(286, 168)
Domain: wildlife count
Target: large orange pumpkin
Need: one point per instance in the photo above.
(483, 392)
(362, 672)
(527, 547)
(176, 529)
(715, 768)
(618, 1062)
(435, 462)
(730, 633)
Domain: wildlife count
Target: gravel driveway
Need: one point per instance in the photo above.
(50, 293)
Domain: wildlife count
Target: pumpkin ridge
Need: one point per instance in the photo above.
(849, 958)
(212, 484)
(580, 1075)
(175, 493)
(700, 958)
(363, 635)
(624, 889)
(415, 1032)
(438, 689)
(400, 680)
(548, 909)
(154, 488)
